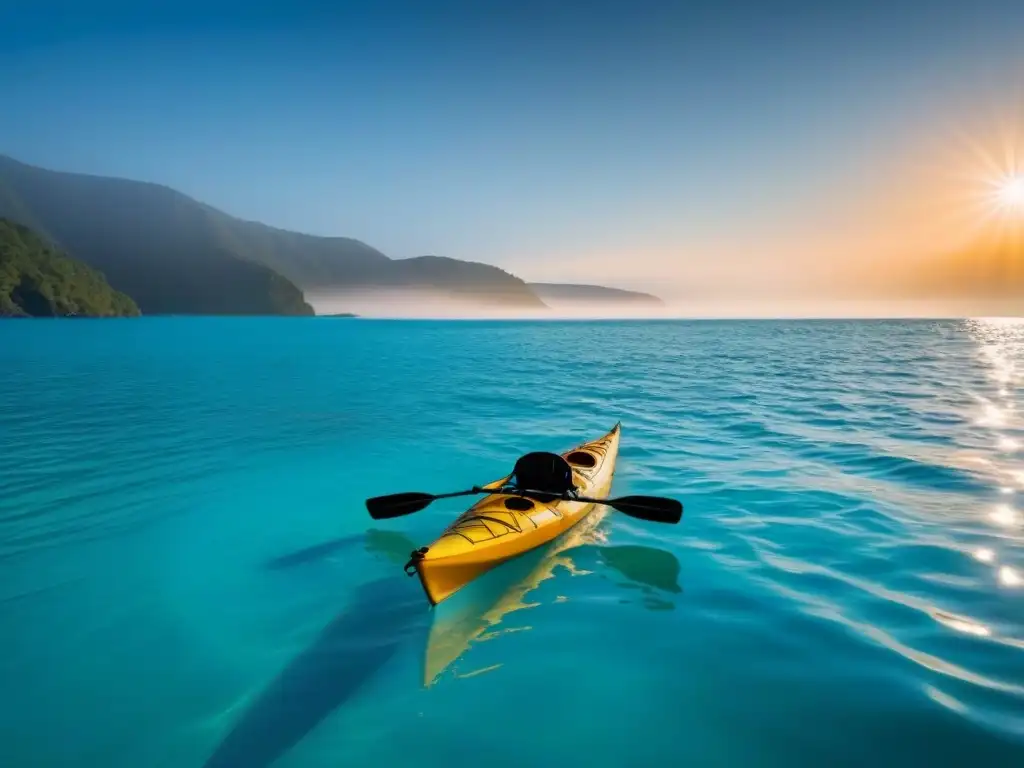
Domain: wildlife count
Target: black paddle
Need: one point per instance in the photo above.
(655, 509)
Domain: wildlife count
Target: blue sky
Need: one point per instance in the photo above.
(550, 141)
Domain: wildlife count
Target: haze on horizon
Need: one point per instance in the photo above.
(804, 159)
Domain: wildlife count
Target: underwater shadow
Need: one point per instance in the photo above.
(644, 566)
(348, 652)
(394, 546)
(313, 553)
(647, 569)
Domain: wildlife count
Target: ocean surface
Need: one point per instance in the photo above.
(188, 576)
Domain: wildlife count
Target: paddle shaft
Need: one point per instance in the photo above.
(649, 508)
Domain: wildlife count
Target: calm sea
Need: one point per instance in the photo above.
(188, 576)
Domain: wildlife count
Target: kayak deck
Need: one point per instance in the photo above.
(501, 526)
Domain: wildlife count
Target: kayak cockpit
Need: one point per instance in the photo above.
(582, 459)
(546, 473)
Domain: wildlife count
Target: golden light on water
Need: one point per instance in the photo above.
(1001, 344)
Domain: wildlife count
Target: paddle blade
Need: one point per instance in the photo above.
(655, 509)
(397, 504)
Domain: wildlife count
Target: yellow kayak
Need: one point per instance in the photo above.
(502, 526)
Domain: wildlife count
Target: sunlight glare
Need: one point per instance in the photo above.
(1010, 577)
(1004, 515)
(1010, 193)
(970, 627)
(985, 555)
(1008, 444)
(994, 417)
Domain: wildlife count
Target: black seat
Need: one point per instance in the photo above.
(547, 473)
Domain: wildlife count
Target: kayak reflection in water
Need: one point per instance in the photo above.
(475, 614)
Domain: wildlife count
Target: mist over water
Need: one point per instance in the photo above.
(717, 304)
(425, 303)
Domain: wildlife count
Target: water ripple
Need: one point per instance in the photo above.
(855, 513)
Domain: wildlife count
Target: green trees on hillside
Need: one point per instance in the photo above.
(36, 280)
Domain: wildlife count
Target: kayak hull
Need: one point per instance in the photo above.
(500, 527)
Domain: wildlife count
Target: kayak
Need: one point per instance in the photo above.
(500, 527)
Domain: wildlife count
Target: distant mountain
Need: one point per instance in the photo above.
(568, 292)
(36, 280)
(468, 279)
(174, 254)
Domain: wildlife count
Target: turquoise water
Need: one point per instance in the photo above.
(188, 576)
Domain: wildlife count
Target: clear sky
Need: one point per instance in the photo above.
(659, 145)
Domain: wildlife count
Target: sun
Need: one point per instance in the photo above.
(1010, 194)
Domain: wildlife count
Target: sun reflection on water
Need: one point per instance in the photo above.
(992, 416)
(969, 627)
(985, 555)
(1001, 349)
(1008, 444)
(1004, 514)
(1010, 577)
